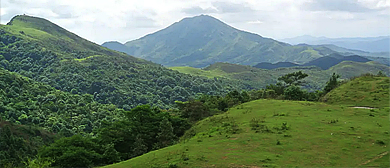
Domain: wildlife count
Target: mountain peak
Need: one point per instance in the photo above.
(201, 17)
(27, 20)
(38, 23)
(205, 21)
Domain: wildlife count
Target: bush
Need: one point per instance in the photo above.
(75, 151)
(294, 93)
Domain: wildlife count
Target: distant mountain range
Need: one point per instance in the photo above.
(369, 44)
(203, 40)
(324, 62)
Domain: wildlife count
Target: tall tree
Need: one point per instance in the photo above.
(166, 136)
(294, 78)
(332, 83)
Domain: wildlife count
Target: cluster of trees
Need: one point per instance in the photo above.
(290, 87)
(20, 142)
(23, 101)
(141, 130)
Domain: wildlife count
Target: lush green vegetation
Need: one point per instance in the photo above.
(33, 112)
(88, 133)
(367, 91)
(19, 143)
(141, 130)
(93, 134)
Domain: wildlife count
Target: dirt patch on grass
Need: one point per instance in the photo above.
(375, 158)
(361, 107)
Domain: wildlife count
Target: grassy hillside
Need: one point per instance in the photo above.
(366, 91)
(203, 40)
(349, 69)
(47, 53)
(200, 72)
(259, 78)
(274, 133)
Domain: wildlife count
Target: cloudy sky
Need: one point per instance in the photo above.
(124, 20)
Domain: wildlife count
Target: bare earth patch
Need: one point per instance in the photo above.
(375, 158)
(360, 107)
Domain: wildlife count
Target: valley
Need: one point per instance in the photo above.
(198, 93)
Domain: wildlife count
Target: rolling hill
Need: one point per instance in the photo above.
(367, 91)
(45, 52)
(259, 78)
(203, 40)
(267, 65)
(114, 45)
(273, 133)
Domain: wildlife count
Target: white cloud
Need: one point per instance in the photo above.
(125, 20)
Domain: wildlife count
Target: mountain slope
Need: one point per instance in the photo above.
(329, 61)
(114, 45)
(273, 133)
(45, 52)
(203, 40)
(28, 102)
(33, 114)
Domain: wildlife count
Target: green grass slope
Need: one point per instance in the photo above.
(254, 135)
(366, 91)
